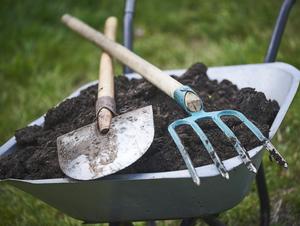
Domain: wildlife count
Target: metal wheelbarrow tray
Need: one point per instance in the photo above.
(167, 195)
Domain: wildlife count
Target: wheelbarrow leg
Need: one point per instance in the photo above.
(263, 195)
(115, 224)
(209, 220)
(151, 223)
(188, 221)
(213, 221)
(128, 223)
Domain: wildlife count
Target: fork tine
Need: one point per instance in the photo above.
(267, 143)
(184, 154)
(236, 143)
(275, 154)
(208, 146)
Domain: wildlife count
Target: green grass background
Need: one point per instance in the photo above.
(41, 62)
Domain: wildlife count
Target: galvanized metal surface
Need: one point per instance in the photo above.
(215, 116)
(119, 199)
(168, 194)
(86, 154)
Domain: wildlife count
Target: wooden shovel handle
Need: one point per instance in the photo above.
(106, 71)
(106, 79)
(154, 75)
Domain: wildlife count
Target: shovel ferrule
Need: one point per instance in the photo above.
(106, 102)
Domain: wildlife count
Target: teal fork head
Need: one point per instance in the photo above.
(215, 116)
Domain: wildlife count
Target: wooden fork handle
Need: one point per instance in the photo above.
(154, 75)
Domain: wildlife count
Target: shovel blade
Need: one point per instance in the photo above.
(85, 154)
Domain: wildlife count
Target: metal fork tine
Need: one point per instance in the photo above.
(208, 146)
(275, 154)
(237, 144)
(184, 154)
(180, 95)
(267, 143)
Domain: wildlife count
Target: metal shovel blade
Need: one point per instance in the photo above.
(85, 154)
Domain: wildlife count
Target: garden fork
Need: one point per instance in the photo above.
(215, 116)
(185, 97)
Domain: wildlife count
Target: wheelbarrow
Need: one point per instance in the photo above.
(146, 196)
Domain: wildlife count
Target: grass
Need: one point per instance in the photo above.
(41, 62)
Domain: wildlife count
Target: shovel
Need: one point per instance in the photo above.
(187, 99)
(109, 144)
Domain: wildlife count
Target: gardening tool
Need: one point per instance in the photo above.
(109, 144)
(185, 97)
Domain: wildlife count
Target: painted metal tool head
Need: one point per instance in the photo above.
(198, 115)
(86, 154)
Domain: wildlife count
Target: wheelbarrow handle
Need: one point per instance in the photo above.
(106, 106)
(154, 75)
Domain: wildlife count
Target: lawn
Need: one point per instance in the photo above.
(41, 62)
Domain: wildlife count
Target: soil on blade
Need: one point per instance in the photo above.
(36, 154)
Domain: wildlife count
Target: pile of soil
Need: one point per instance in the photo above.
(36, 154)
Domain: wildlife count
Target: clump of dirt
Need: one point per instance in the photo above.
(36, 154)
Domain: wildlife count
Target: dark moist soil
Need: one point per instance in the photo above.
(36, 155)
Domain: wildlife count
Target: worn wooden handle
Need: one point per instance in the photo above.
(154, 75)
(106, 78)
(106, 72)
